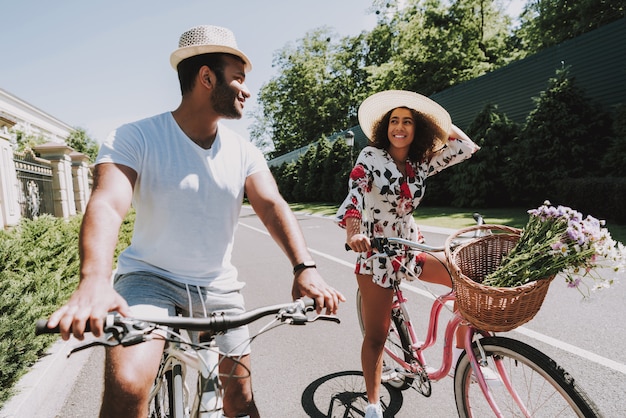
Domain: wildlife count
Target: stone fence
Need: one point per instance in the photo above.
(51, 178)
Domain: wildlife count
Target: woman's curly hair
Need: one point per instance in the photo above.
(426, 134)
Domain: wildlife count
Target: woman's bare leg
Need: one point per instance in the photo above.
(376, 314)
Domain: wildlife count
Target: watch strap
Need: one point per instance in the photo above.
(304, 265)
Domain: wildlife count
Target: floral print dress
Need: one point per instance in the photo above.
(384, 200)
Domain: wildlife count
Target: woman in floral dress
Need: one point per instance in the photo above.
(412, 138)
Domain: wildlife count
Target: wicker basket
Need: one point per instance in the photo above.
(496, 309)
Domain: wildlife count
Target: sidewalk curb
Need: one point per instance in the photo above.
(44, 389)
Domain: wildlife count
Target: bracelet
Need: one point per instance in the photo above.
(304, 265)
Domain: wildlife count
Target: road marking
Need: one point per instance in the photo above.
(588, 355)
(321, 254)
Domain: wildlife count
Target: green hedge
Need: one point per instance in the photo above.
(602, 197)
(40, 270)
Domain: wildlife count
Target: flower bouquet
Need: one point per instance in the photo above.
(559, 240)
(501, 279)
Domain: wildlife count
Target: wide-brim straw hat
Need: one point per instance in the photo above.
(207, 39)
(377, 105)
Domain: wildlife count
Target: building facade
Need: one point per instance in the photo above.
(50, 178)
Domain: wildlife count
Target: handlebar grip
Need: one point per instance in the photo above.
(377, 243)
(41, 328)
(308, 302)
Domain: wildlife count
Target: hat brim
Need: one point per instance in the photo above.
(378, 105)
(191, 51)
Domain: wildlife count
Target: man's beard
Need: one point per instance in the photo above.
(224, 100)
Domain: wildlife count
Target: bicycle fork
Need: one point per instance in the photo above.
(208, 402)
(476, 364)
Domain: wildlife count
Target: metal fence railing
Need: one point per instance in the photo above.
(34, 176)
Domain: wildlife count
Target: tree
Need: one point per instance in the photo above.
(24, 141)
(545, 23)
(563, 138)
(424, 46)
(481, 181)
(437, 46)
(81, 142)
(313, 95)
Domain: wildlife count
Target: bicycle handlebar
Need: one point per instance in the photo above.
(217, 322)
(381, 243)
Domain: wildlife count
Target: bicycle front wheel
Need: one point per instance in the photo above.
(168, 402)
(543, 387)
(398, 342)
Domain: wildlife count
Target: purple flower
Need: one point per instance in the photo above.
(573, 282)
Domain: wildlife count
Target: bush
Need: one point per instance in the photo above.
(614, 161)
(40, 270)
(319, 175)
(40, 260)
(601, 197)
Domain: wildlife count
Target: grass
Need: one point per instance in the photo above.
(456, 218)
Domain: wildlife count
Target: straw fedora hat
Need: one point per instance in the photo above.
(377, 105)
(207, 39)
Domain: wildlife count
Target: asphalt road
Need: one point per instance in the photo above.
(314, 371)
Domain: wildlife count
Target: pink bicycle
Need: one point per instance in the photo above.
(530, 383)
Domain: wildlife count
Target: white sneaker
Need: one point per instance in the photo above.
(374, 410)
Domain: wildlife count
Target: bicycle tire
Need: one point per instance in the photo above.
(176, 392)
(545, 388)
(398, 341)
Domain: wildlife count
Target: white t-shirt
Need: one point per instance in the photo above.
(187, 199)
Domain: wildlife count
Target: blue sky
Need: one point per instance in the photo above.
(97, 64)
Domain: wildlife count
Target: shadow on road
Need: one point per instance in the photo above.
(342, 394)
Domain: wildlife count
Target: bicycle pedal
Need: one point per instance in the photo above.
(388, 376)
(406, 373)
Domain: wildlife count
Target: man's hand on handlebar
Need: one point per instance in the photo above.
(91, 301)
(309, 283)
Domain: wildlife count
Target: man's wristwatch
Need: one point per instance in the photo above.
(304, 265)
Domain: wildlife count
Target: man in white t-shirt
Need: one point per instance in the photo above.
(185, 175)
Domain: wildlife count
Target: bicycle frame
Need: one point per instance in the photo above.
(446, 364)
(431, 337)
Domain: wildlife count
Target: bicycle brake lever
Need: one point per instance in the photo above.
(105, 341)
(331, 318)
